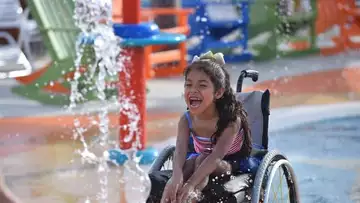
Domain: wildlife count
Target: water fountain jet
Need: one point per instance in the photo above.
(93, 17)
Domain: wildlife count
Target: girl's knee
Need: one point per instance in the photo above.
(223, 167)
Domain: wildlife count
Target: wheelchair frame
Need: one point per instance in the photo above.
(259, 186)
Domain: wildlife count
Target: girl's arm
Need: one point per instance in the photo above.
(211, 162)
(181, 146)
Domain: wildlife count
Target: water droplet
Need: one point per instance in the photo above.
(203, 19)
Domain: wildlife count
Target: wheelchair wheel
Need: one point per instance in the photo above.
(275, 181)
(164, 160)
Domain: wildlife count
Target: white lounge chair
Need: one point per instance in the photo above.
(13, 62)
(13, 16)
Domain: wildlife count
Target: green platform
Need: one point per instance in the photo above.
(268, 26)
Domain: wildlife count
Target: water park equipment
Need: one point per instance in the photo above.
(50, 84)
(165, 60)
(136, 36)
(329, 29)
(273, 27)
(219, 26)
(282, 28)
(329, 34)
(160, 60)
(351, 26)
(259, 182)
(277, 27)
(339, 22)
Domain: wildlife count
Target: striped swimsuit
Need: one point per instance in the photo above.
(204, 145)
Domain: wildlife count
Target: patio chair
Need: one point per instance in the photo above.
(13, 62)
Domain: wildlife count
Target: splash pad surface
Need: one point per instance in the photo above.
(40, 163)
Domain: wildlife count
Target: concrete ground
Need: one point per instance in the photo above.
(38, 151)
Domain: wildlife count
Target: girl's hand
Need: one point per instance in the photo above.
(185, 192)
(171, 189)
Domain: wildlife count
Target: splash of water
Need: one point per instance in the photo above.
(87, 16)
(93, 17)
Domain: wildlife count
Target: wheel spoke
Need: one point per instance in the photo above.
(265, 190)
(275, 193)
(276, 190)
(280, 174)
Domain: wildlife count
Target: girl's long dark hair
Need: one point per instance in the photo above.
(229, 109)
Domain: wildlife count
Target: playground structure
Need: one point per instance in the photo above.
(261, 29)
(50, 84)
(212, 23)
(328, 33)
(293, 23)
(266, 29)
(160, 61)
(329, 18)
(351, 27)
(258, 30)
(137, 36)
(278, 27)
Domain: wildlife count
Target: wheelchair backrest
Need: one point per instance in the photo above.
(256, 104)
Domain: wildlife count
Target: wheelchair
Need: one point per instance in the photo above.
(259, 186)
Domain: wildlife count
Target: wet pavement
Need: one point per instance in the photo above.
(325, 159)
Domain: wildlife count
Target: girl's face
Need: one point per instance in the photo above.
(199, 92)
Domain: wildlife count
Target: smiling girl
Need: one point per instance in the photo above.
(216, 122)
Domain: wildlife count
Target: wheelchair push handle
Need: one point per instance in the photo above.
(253, 74)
